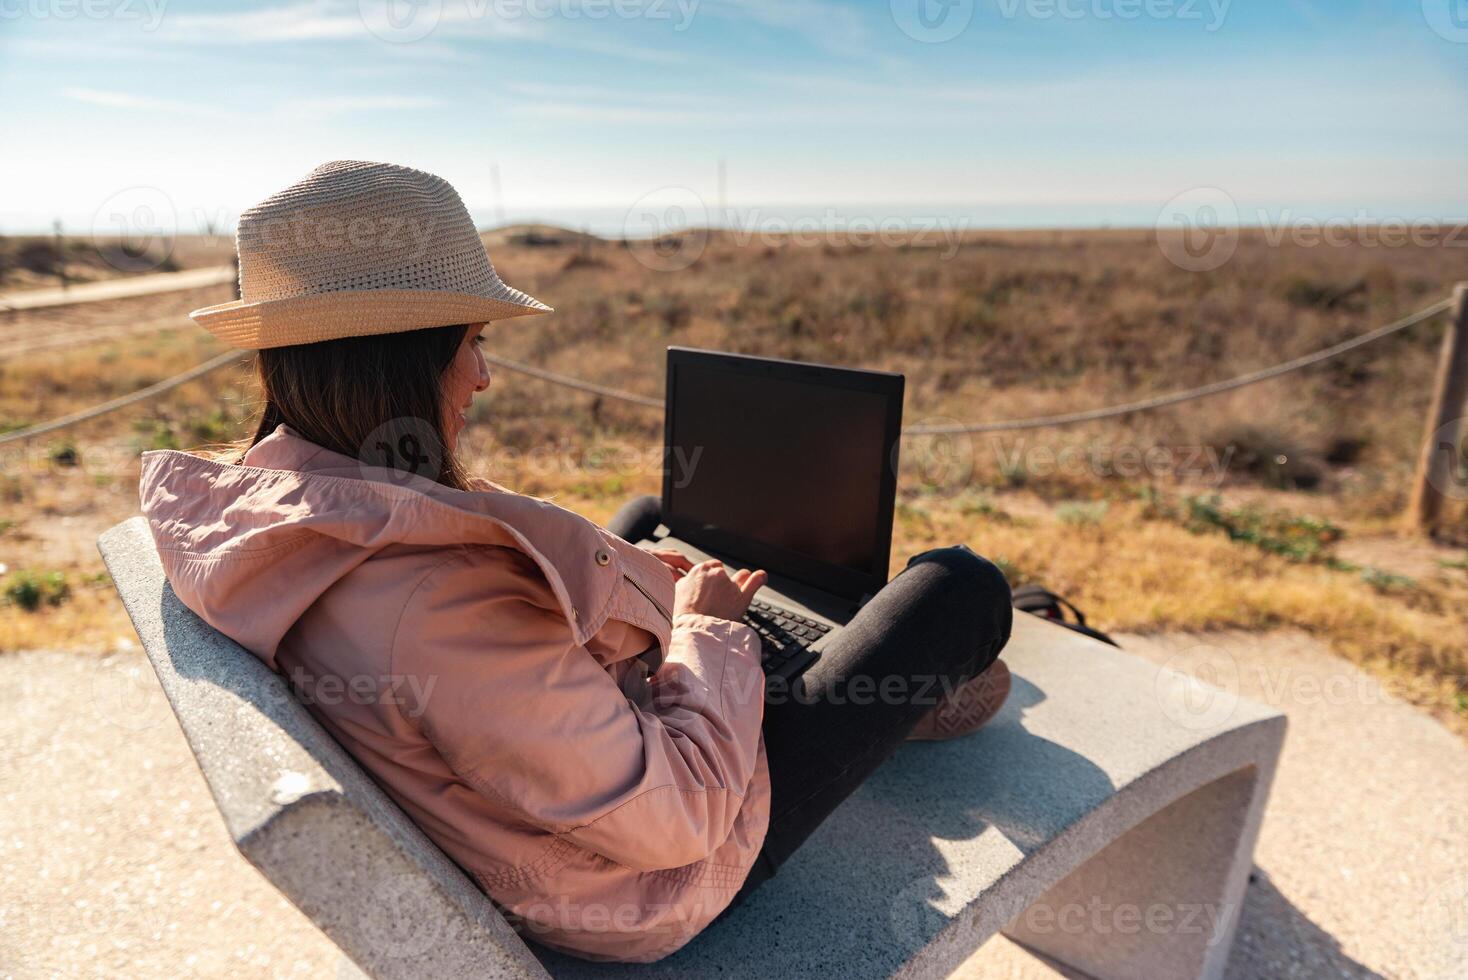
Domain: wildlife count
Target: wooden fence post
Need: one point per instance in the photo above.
(60, 253)
(1437, 466)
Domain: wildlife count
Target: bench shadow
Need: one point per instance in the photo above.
(879, 869)
(1274, 937)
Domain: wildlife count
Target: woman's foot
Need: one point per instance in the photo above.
(968, 708)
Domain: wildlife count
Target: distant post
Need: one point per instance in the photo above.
(1437, 465)
(60, 253)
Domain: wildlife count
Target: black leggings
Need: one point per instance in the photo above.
(942, 620)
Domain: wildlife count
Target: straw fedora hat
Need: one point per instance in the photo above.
(356, 249)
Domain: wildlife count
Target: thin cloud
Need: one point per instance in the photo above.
(322, 106)
(140, 103)
(833, 27)
(332, 20)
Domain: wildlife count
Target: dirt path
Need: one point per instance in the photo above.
(117, 864)
(92, 292)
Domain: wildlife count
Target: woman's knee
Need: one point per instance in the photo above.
(969, 585)
(638, 518)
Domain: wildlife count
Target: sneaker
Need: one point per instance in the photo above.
(968, 708)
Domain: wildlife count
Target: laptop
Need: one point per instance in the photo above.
(789, 467)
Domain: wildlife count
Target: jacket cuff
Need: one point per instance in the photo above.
(705, 623)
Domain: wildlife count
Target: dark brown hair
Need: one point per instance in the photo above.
(378, 399)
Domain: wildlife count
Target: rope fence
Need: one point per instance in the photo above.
(141, 395)
(1008, 425)
(1051, 421)
(1191, 394)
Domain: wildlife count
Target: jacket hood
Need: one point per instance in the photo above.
(250, 547)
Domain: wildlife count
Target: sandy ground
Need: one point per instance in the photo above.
(1362, 864)
(117, 864)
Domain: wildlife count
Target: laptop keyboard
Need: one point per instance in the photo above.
(785, 638)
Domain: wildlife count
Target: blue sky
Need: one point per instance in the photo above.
(1033, 111)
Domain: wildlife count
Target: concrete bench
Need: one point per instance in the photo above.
(1106, 820)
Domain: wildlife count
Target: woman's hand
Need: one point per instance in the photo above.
(709, 590)
(676, 561)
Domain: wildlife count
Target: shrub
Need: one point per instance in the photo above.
(64, 454)
(1298, 538)
(30, 591)
(1082, 514)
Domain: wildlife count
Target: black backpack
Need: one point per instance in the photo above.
(1046, 604)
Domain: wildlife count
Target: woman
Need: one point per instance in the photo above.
(578, 722)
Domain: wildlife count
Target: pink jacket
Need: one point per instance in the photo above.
(486, 657)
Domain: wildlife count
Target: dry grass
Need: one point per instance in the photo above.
(1011, 325)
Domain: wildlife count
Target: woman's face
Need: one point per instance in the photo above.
(467, 375)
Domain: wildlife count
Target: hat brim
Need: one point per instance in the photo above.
(355, 313)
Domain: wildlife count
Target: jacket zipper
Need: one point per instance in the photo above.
(658, 605)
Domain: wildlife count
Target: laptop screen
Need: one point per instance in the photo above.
(782, 465)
